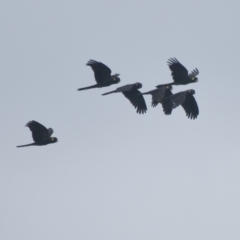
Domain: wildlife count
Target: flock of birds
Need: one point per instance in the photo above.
(162, 94)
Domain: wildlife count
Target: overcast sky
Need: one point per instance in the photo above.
(115, 174)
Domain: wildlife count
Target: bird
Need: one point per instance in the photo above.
(102, 75)
(132, 93)
(186, 100)
(180, 73)
(40, 134)
(163, 91)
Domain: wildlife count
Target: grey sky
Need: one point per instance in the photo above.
(115, 174)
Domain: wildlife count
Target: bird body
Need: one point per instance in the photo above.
(180, 73)
(40, 134)
(102, 75)
(122, 89)
(159, 93)
(186, 100)
(132, 93)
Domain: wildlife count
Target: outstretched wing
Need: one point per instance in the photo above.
(178, 99)
(157, 95)
(137, 100)
(167, 105)
(179, 72)
(194, 73)
(190, 106)
(39, 132)
(102, 73)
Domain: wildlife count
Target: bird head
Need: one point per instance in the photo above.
(115, 78)
(194, 79)
(137, 85)
(193, 75)
(54, 139)
(191, 91)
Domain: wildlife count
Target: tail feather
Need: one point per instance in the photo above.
(31, 144)
(154, 103)
(85, 88)
(167, 84)
(145, 93)
(109, 92)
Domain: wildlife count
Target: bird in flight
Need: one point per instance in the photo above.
(40, 134)
(180, 73)
(102, 75)
(132, 93)
(185, 99)
(163, 91)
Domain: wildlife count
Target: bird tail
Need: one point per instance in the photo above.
(154, 103)
(109, 92)
(167, 84)
(145, 93)
(85, 88)
(31, 144)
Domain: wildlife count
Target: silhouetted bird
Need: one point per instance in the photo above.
(40, 134)
(132, 93)
(186, 99)
(163, 91)
(102, 75)
(180, 73)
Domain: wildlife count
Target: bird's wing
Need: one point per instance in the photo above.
(102, 73)
(167, 105)
(194, 73)
(190, 106)
(178, 99)
(137, 100)
(179, 72)
(39, 132)
(157, 95)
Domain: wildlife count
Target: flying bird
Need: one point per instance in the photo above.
(186, 100)
(102, 75)
(163, 91)
(40, 134)
(180, 73)
(132, 93)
